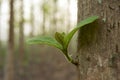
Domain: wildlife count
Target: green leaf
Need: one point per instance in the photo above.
(45, 40)
(63, 34)
(81, 24)
(60, 37)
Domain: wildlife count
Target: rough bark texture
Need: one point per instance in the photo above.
(9, 65)
(99, 42)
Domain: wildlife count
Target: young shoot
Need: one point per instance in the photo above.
(62, 40)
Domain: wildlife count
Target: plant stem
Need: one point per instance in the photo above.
(69, 58)
(67, 55)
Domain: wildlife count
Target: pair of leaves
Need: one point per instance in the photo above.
(64, 39)
(61, 40)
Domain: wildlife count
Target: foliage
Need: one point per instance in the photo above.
(62, 40)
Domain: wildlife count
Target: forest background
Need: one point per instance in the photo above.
(32, 18)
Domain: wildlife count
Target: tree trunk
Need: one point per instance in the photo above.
(54, 20)
(44, 24)
(32, 19)
(44, 13)
(0, 22)
(21, 41)
(68, 16)
(9, 65)
(99, 42)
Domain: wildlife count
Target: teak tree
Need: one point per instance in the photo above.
(99, 42)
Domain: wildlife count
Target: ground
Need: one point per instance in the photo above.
(44, 63)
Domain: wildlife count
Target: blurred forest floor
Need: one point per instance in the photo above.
(41, 63)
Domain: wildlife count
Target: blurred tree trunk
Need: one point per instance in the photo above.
(9, 65)
(68, 17)
(0, 21)
(99, 42)
(44, 11)
(32, 19)
(21, 40)
(43, 26)
(55, 9)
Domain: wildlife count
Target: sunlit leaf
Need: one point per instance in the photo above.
(45, 40)
(81, 24)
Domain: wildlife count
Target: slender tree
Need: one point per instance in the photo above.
(68, 16)
(99, 42)
(32, 19)
(9, 65)
(44, 10)
(54, 20)
(0, 21)
(21, 39)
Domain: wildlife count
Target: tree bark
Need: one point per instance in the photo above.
(99, 42)
(9, 65)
